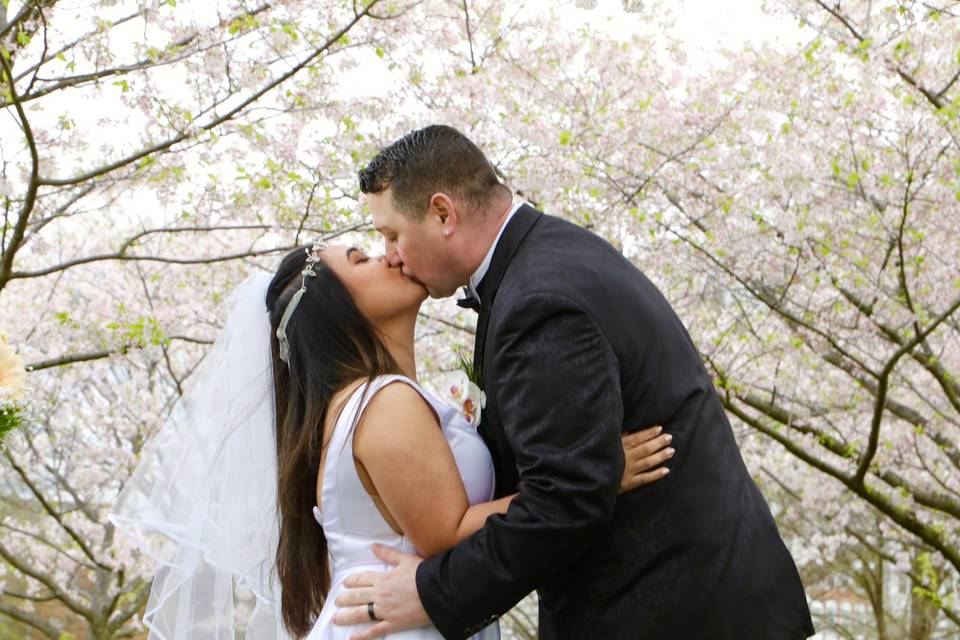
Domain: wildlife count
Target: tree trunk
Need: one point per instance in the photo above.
(923, 609)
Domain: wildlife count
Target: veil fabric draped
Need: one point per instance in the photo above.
(202, 500)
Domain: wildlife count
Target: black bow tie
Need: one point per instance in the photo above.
(469, 301)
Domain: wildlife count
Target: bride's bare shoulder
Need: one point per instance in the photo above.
(397, 395)
(397, 407)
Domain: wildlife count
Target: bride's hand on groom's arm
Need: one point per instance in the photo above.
(644, 451)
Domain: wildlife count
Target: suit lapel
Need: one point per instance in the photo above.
(513, 236)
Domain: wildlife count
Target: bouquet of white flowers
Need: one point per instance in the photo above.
(13, 383)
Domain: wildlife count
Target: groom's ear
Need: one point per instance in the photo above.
(445, 211)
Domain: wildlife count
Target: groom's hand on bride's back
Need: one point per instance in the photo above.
(644, 453)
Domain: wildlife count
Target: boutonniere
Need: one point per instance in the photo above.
(13, 382)
(461, 388)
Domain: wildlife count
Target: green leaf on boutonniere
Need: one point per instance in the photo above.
(465, 364)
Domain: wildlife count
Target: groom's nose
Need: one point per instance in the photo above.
(393, 257)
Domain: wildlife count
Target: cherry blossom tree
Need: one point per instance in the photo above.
(220, 139)
(792, 201)
(149, 161)
(822, 211)
(803, 205)
(795, 204)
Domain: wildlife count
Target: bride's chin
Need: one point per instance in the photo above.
(421, 293)
(411, 305)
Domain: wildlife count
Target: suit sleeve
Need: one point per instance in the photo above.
(558, 393)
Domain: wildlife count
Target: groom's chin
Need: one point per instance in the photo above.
(440, 294)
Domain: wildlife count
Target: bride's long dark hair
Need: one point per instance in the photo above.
(331, 345)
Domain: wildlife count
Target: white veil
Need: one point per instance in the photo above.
(202, 501)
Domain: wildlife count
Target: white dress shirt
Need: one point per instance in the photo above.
(485, 265)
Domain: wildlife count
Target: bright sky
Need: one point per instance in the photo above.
(703, 26)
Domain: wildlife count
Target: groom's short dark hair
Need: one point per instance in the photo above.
(428, 160)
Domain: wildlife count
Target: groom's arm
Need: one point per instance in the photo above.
(558, 395)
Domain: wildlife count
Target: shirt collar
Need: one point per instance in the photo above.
(485, 265)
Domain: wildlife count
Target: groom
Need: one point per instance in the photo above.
(573, 344)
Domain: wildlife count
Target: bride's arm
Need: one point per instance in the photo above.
(405, 454)
(476, 515)
(644, 451)
(403, 450)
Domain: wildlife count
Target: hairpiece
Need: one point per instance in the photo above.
(313, 257)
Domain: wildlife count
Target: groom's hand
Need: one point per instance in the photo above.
(396, 603)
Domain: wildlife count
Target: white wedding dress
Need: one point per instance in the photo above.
(351, 521)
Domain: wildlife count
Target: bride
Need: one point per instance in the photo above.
(303, 439)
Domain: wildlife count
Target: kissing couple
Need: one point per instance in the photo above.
(306, 465)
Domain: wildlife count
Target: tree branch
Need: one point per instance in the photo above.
(861, 538)
(22, 15)
(33, 621)
(217, 121)
(46, 581)
(125, 258)
(6, 264)
(99, 355)
(452, 325)
(939, 502)
(882, 385)
(934, 99)
(931, 535)
(55, 514)
(133, 606)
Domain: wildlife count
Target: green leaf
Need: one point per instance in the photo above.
(290, 31)
(853, 178)
(380, 52)
(465, 363)
(172, 3)
(565, 137)
(145, 162)
(9, 420)
(243, 23)
(122, 84)
(809, 52)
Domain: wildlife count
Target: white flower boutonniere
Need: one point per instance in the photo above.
(459, 390)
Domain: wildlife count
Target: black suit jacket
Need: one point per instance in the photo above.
(575, 347)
